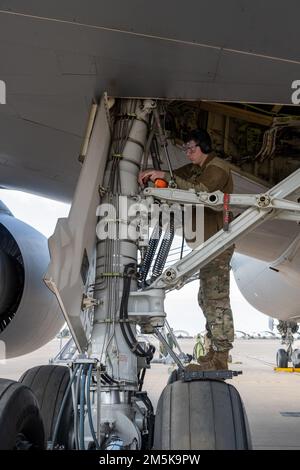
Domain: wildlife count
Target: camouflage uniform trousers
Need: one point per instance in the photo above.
(214, 301)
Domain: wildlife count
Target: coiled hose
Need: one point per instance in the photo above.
(153, 244)
(164, 250)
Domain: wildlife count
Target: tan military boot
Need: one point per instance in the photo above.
(208, 356)
(219, 361)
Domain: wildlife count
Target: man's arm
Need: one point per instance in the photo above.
(152, 175)
(212, 179)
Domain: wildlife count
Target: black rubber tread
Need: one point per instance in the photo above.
(19, 414)
(296, 358)
(282, 358)
(49, 384)
(201, 415)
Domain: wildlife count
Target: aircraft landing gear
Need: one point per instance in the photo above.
(283, 357)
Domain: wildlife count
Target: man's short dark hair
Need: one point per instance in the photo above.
(201, 137)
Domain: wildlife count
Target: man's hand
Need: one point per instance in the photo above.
(152, 175)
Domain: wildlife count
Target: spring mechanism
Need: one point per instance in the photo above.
(153, 244)
(164, 250)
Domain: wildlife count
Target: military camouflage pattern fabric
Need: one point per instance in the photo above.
(213, 175)
(213, 299)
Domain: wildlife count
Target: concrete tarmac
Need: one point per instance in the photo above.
(271, 399)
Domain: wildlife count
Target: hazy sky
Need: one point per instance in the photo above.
(183, 312)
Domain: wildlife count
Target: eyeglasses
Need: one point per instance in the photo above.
(189, 148)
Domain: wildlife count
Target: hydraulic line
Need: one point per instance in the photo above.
(77, 398)
(132, 343)
(163, 142)
(89, 408)
(164, 249)
(128, 334)
(147, 148)
(105, 381)
(183, 236)
(141, 379)
(153, 244)
(73, 391)
(62, 406)
(82, 403)
(150, 411)
(155, 154)
(108, 379)
(130, 339)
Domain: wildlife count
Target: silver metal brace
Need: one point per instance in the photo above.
(272, 204)
(215, 200)
(170, 350)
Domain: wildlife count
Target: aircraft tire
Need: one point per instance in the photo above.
(49, 384)
(21, 425)
(173, 376)
(201, 415)
(282, 358)
(296, 358)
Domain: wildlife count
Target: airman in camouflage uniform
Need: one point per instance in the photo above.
(206, 172)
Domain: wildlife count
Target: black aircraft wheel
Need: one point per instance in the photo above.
(201, 415)
(49, 384)
(296, 358)
(21, 425)
(282, 359)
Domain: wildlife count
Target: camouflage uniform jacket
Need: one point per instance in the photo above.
(213, 175)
